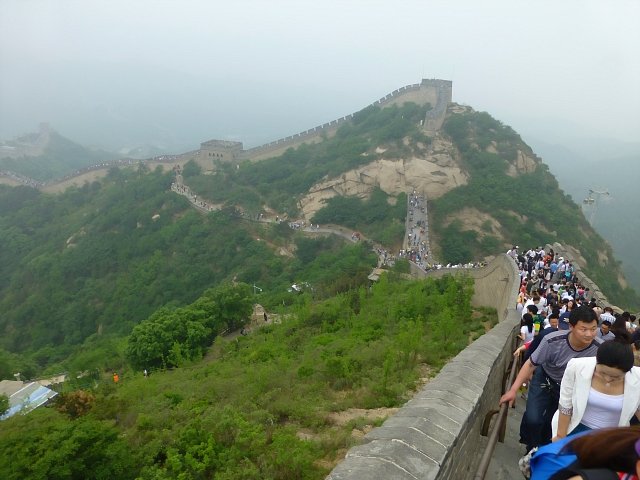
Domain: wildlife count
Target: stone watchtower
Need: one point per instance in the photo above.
(218, 150)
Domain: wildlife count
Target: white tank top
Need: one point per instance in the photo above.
(602, 410)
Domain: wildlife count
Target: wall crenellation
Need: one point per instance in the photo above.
(433, 91)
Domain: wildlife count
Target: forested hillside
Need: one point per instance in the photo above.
(280, 182)
(281, 402)
(528, 209)
(59, 157)
(85, 267)
(508, 196)
(124, 275)
(79, 270)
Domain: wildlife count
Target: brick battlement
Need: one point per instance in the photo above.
(435, 92)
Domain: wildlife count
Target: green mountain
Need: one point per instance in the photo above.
(486, 187)
(96, 261)
(99, 259)
(610, 214)
(47, 155)
(124, 275)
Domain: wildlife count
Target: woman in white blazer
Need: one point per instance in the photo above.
(598, 392)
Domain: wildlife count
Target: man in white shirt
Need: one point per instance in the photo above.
(607, 315)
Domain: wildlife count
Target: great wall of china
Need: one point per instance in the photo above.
(437, 434)
(437, 93)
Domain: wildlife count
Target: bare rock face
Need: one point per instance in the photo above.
(480, 222)
(524, 164)
(435, 173)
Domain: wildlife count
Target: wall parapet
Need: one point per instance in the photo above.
(330, 127)
(436, 434)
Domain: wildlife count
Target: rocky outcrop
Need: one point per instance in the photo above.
(434, 171)
(524, 164)
(473, 219)
(391, 176)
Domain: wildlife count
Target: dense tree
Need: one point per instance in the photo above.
(4, 403)
(170, 337)
(60, 450)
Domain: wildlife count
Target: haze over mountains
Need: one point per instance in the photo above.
(579, 163)
(486, 189)
(610, 170)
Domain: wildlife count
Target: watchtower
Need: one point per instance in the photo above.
(218, 150)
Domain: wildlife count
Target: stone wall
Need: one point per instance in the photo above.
(215, 151)
(436, 435)
(435, 117)
(435, 92)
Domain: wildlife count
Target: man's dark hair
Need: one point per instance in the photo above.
(582, 314)
(533, 309)
(555, 313)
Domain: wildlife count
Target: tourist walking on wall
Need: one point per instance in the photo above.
(547, 365)
(599, 392)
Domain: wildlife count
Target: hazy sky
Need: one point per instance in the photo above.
(119, 73)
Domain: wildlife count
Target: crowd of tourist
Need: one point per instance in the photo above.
(185, 191)
(122, 162)
(417, 242)
(30, 182)
(581, 366)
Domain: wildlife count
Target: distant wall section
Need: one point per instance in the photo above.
(575, 258)
(435, 92)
